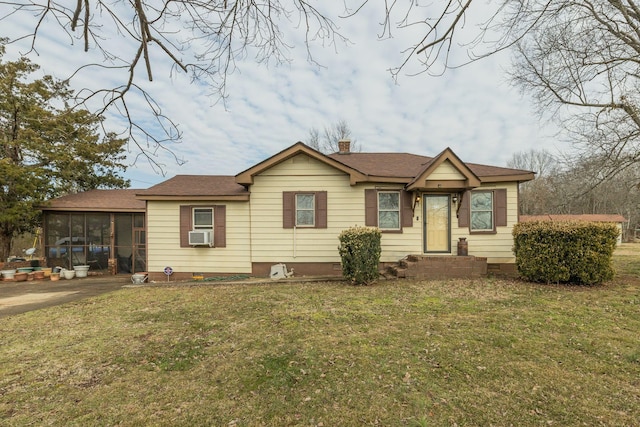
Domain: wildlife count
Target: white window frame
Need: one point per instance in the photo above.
(399, 210)
(201, 226)
(312, 210)
(473, 211)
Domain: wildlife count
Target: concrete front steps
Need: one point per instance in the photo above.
(437, 267)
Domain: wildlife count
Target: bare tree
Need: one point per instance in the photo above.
(537, 196)
(328, 142)
(201, 38)
(313, 139)
(579, 58)
(563, 187)
(582, 66)
(206, 39)
(542, 162)
(586, 192)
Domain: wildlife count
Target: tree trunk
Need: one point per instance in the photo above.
(5, 247)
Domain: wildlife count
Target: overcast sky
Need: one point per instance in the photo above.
(473, 110)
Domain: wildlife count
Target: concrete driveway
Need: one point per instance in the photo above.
(20, 297)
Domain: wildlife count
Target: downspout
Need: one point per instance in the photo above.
(250, 234)
(294, 241)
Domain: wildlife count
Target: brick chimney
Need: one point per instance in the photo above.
(344, 146)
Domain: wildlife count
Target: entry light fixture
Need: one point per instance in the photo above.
(455, 198)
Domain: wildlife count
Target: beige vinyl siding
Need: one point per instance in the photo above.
(255, 233)
(345, 208)
(497, 248)
(446, 172)
(163, 229)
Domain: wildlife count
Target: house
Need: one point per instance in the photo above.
(618, 220)
(291, 207)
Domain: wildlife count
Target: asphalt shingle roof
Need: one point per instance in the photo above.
(99, 200)
(196, 185)
(405, 165)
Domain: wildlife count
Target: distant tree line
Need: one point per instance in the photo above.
(586, 186)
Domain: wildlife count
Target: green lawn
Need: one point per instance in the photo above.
(466, 353)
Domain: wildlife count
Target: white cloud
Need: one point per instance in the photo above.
(472, 109)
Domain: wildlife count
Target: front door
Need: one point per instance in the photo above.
(436, 223)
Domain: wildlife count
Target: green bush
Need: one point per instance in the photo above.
(360, 253)
(565, 252)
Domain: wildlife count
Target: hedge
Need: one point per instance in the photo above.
(565, 252)
(360, 249)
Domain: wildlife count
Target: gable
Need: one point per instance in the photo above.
(445, 172)
(289, 154)
(301, 165)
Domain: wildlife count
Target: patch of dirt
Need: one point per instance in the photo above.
(31, 298)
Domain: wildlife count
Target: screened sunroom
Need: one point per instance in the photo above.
(104, 229)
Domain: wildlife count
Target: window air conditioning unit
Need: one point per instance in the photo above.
(201, 238)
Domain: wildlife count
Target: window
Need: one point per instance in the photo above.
(305, 210)
(389, 210)
(481, 211)
(203, 218)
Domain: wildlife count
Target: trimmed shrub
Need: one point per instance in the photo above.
(360, 250)
(565, 252)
